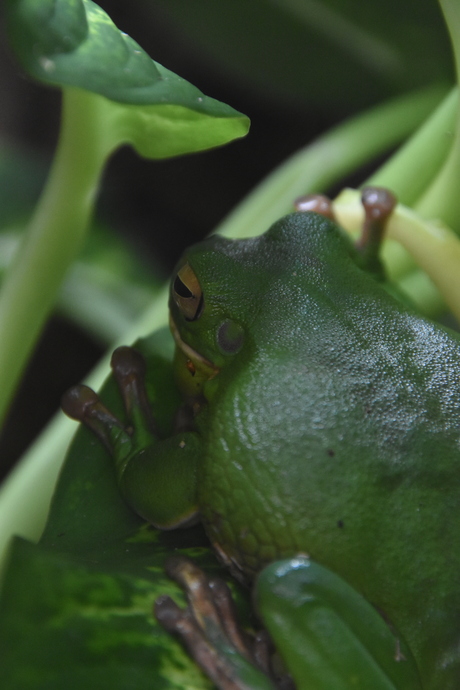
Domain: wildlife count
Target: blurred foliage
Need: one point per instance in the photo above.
(343, 54)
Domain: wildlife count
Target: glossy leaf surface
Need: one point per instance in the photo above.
(76, 610)
(75, 44)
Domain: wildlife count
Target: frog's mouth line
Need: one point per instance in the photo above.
(200, 362)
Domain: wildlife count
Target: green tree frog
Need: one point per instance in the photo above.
(320, 422)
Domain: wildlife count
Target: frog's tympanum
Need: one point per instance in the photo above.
(320, 419)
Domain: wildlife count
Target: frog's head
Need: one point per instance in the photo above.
(230, 296)
(207, 311)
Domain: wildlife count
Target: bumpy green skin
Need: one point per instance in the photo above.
(333, 431)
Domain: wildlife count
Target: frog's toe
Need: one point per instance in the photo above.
(233, 659)
(319, 203)
(78, 400)
(129, 370)
(81, 403)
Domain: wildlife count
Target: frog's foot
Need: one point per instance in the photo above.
(378, 204)
(83, 404)
(155, 477)
(233, 659)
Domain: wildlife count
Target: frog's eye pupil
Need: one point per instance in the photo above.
(187, 293)
(181, 289)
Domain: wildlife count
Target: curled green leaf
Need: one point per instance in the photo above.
(75, 43)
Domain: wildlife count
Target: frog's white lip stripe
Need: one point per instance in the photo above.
(189, 351)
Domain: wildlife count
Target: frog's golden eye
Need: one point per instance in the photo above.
(187, 293)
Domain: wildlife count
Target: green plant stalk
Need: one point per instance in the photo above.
(332, 156)
(87, 295)
(442, 199)
(54, 236)
(419, 284)
(103, 314)
(432, 246)
(412, 168)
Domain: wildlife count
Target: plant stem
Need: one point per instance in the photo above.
(442, 199)
(328, 159)
(431, 246)
(413, 167)
(54, 236)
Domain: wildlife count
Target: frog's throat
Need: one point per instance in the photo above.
(204, 365)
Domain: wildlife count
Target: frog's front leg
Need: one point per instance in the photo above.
(156, 477)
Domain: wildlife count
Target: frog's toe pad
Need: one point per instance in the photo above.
(209, 630)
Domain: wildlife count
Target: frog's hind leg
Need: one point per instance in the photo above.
(327, 633)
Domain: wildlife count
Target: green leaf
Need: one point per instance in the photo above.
(75, 43)
(76, 609)
(88, 622)
(186, 121)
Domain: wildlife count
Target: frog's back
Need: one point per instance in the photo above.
(344, 433)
